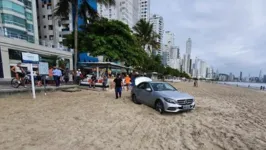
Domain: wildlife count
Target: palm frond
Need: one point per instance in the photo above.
(63, 8)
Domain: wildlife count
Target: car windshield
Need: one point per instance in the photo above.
(162, 87)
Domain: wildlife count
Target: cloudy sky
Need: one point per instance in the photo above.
(228, 34)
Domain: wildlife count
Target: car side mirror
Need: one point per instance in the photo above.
(148, 89)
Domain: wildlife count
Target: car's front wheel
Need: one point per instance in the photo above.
(159, 107)
(134, 99)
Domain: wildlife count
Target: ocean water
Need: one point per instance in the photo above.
(245, 84)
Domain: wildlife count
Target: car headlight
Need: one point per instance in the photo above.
(169, 100)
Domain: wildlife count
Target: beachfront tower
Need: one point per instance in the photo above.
(18, 20)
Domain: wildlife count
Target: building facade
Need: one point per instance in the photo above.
(188, 56)
(19, 20)
(158, 27)
(126, 11)
(169, 38)
(144, 9)
(52, 28)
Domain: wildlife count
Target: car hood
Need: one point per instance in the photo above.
(174, 95)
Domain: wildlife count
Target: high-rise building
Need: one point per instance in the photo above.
(188, 46)
(52, 28)
(188, 55)
(19, 20)
(240, 77)
(158, 26)
(264, 79)
(169, 38)
(178, 53)
(144, 9)
(126, 11)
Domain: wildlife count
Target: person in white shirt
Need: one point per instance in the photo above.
(78, 74)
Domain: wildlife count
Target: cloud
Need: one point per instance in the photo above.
(229, 35)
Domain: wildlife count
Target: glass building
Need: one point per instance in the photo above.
(18, 19)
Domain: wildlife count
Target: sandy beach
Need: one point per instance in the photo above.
(225, 118)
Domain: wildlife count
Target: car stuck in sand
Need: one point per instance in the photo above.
(161, 95)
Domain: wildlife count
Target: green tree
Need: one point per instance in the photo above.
(63, 8)
(146, 36)
(111, 38)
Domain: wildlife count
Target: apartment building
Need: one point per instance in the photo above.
(18, 20)
(126, 11)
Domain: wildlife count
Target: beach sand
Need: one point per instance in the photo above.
(225, 118)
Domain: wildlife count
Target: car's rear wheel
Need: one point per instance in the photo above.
(159, 107)
(134, 99)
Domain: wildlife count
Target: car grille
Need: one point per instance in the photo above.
(185, 101)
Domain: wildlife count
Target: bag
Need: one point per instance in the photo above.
(81, 75)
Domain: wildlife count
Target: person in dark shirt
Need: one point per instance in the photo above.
(93, 80)
(118, 86)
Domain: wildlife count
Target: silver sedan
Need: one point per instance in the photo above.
(162, 96)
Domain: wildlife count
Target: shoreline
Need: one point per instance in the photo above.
(242, 86)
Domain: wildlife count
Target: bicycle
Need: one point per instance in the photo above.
(25, 80)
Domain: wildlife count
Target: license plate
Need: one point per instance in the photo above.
(186, 106)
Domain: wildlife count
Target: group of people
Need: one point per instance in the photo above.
(120, 82)
(262, 88)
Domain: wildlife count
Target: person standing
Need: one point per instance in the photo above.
(118, 86)
(78, 74)
(105, 81)
(127, 81)
(57, 73)
(66, 75)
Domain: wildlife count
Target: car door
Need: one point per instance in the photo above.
(146, 95)
(139, 91)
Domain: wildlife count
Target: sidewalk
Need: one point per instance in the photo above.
(8, 89)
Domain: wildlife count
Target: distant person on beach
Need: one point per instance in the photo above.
(118, 86)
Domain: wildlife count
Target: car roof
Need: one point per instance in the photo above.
(154, 82)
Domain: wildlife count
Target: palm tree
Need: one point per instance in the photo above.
(63, 8)
(147, 37)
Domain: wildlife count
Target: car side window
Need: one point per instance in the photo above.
(147, 85)
(141, 86)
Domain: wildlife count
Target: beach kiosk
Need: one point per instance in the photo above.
(101, 68)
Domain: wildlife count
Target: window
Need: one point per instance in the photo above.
(29, 16)
(60, 35)
(141, 86)
(45, 36)
(43, 16)
(42, 6)
(40, 37)
(28, 4)
(29, 27)
(10, 19)
(14, 54)
(12, 6)
(44, 27)
(49, 17)
(162, 87)
(50, 27)
(31, 38)
(51, 37)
